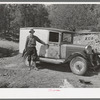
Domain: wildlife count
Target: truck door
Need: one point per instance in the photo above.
(53, 51)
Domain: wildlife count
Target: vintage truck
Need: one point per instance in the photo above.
(61, 49)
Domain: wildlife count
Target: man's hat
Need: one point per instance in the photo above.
(31, 30)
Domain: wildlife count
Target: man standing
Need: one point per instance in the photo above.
(30, 48)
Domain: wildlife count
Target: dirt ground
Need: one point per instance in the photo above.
(15, 74)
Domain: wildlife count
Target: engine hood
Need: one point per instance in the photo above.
(74, 46)
(68, 49)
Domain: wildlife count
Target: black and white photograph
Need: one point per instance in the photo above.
(49, 45)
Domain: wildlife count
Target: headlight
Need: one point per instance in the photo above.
(88, 49)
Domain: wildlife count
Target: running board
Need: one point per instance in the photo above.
(54, 61)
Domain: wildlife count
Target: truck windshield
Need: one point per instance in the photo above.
(67, 38)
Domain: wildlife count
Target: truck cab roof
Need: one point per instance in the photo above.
(50, 29)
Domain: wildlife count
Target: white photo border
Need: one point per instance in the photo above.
(44, 93)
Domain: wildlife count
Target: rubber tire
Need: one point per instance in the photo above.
(76, 63)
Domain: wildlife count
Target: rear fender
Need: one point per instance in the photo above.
(75, 55)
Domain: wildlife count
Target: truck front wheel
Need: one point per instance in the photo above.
(78, 65)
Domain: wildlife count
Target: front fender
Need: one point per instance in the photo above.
(75, 55)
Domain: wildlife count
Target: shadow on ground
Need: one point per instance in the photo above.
(92, 72)
(62, 68)
(66, 68)
(4, 52)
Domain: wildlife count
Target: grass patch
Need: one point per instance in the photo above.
(8, 48)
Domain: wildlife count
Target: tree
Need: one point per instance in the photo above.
(14, 16)
(3, 25)
(73, 17)
(34, 15)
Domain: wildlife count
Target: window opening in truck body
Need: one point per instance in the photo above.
(54, 37)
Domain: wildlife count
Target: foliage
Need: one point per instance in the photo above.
(64, 16)
(14, 16)
(34, 15)
(74, 17)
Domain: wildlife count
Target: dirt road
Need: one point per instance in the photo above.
(15, 74)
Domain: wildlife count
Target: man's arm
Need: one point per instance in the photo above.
(40, 41)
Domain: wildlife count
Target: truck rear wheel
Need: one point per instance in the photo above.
(78, 65)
